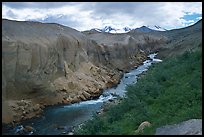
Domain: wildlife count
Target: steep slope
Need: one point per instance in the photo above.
(132, 39)
(45, 64)
(181, 40)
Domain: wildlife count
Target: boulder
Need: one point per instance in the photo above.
(60, 127)
(142, 126)
(70, 133)
(189, 127)
(86, 95)
(28, 129)
(63, 89)
(110, 84)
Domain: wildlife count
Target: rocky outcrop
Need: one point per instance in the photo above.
(46, 64)
(189, 127)
(142, 126)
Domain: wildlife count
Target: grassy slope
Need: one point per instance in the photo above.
(169, 93)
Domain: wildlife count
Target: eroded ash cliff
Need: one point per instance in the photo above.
(46, 64)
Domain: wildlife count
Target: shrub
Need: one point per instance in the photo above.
(170, 92)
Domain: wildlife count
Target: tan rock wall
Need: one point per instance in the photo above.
(50, 64)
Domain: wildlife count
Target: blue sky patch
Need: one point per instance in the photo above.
(192, 17)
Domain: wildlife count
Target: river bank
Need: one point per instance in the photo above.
(107, 95)
(65, 91)
(177, 87)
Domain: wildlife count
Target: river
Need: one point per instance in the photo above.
(61, 119)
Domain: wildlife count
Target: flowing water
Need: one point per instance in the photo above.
(61, 119)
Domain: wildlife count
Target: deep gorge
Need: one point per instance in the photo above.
(46, 64)
(62, 119)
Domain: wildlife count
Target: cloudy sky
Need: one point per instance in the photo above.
(87, 15)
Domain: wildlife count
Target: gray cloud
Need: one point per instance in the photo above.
(46, 5)
(61, 19)
(84, 15)
(116, 7)
(11, 14)
(138, 11)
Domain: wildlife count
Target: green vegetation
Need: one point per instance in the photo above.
(170, 92)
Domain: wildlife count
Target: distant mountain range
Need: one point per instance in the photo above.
(111, 29)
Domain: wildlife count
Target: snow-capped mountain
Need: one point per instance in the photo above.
(126, 29)
(157, 28)
(110, 29)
